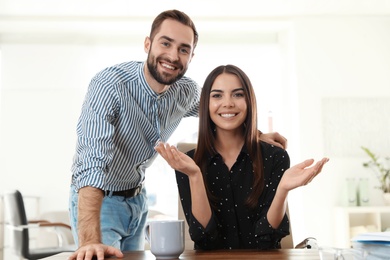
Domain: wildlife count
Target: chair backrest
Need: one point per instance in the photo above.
(189, 244)
(16, 219)
(46, 238)
(185, 147)
(287, 241)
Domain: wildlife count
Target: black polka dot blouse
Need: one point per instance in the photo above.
(233, 225)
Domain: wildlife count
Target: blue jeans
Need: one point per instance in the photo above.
(122, 220)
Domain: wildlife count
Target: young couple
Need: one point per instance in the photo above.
(231, 191)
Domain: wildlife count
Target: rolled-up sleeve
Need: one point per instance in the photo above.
(265, 232)
(275, 165)
(204, 238)
(95, 132)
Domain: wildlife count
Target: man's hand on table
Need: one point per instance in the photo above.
(99, 250)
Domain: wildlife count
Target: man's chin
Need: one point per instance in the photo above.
(168, 80)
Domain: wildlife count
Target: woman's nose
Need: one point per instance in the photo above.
(228, 102)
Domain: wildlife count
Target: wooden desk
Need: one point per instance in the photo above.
(288, 254)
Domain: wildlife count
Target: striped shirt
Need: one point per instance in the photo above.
(121, 120)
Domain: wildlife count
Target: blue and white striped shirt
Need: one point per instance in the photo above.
(121, 120)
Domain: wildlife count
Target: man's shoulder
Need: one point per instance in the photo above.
(128, 65)
(125, 71)
(186, 87)
(186, 81)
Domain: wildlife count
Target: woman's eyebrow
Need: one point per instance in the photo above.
(234, 90)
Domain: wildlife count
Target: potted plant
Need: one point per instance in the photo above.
(381, 167)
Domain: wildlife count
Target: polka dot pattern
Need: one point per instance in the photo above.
(233, 225)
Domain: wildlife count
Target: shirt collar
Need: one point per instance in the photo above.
(217, 156)
(144, 84)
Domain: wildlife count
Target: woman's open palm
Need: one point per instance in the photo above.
(301, 174)
(176, 159)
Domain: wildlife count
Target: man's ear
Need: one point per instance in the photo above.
(147, 44)
(192, 56)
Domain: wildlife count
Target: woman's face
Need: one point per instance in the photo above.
(227, 108)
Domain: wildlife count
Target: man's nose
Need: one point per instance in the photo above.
(173, 54)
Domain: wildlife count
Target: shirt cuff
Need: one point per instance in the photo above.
(266, 232)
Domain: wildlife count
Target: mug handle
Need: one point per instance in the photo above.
(147, 233)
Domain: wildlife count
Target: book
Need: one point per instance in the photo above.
(373, 238)
(374, 245)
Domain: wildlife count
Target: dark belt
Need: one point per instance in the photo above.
(126, 193)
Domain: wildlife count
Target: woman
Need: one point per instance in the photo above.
(234, 187)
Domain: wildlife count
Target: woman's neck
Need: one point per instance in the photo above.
(229, 146)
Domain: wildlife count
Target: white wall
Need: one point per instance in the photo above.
(333, 51)
(345, 57)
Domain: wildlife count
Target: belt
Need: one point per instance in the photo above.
(126, 193)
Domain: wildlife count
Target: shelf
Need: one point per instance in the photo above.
(351, 221)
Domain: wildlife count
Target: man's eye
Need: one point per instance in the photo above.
(165, 43)
(185, 51)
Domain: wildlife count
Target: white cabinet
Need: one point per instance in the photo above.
(1, 228)
(351, 221)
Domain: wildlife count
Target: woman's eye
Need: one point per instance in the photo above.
(216, 95)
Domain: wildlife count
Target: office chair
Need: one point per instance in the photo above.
(286, 242)
(16, 220)
(54, 237)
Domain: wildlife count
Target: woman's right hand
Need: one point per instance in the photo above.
(177, 160)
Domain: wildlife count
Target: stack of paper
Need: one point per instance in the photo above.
(376, 245)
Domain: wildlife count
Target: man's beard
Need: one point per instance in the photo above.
(159, 77)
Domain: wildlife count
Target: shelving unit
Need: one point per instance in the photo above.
(1, 229)
(350, 221)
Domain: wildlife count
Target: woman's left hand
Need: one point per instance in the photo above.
(301, 174)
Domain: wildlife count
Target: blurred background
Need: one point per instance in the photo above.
(320, 70)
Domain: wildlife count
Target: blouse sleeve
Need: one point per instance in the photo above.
(276, 162)
(204, 238)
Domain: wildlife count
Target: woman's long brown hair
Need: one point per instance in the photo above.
(206, 133)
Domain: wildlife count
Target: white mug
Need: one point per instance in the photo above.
(166, 238)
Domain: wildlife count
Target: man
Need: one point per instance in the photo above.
(128, 109)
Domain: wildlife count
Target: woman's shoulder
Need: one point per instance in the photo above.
(270, 149)
(273, 154)
(191, 153)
